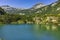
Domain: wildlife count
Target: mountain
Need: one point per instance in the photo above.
(52, 8)
(7, 8)
(38, 5)
(37, 8)
(10, 9)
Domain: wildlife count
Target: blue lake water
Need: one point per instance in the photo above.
(27, 32)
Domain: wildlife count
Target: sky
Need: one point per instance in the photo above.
(24, 3)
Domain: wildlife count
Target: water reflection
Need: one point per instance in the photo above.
(44, 27)
(47, 32)
(30, 32)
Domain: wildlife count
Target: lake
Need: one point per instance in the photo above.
(27, 32)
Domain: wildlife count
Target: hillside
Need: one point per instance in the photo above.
(2, 11)
(52, 8)
(39, 14)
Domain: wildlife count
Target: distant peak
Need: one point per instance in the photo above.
(5, 6)
(39, 4)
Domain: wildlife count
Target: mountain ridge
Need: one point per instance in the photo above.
(38, 8)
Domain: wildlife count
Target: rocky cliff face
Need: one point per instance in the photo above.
(2, 11)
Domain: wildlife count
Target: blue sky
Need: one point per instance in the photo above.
(24, 3)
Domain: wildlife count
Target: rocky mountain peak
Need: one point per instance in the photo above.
(5, 6)
(38, 5)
